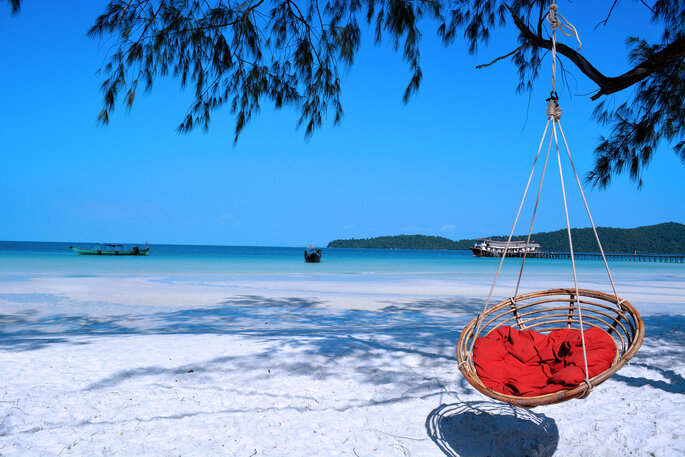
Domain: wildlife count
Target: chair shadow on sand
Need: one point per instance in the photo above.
(482, 428)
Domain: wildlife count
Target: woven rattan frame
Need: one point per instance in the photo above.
(549, 310)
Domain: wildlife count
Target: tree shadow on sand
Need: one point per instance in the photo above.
(673, 383)
(667, 332)
(426, 328)
(482, 429)
(322, 335)
(424, 322)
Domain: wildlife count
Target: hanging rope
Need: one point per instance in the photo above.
(559, 22)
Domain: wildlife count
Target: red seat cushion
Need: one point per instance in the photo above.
(525, 363)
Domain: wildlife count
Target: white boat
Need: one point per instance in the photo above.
(491, 248)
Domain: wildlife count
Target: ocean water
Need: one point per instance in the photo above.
(48, 279)
(58, 259)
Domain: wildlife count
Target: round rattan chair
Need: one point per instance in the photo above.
(554, 309)
(549, 310)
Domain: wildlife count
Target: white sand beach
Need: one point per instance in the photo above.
(303, 366)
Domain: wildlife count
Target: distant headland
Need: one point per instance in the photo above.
(665, 238)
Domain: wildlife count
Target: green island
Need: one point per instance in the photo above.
(665, 238)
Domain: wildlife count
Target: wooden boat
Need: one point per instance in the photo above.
(312, 254)
(112, 249)
(492, 248)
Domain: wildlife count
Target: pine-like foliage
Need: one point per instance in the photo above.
(654, 112)
(14, 5)
(241, 53)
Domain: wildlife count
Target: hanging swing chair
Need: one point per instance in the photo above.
(549, 346)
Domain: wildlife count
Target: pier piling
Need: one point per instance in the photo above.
(661, 258)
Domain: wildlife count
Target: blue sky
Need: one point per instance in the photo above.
(452, 162)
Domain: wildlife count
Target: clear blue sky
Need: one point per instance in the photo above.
(452, 162)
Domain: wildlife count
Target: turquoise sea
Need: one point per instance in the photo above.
(57, 258)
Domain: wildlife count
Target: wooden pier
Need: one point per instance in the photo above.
(658, 258)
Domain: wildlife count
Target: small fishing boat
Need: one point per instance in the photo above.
(112, 249)
(312, 254)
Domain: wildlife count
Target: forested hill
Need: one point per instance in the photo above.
(397, 242)
(666, 238)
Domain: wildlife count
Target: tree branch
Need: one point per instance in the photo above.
(608, 85)
(478, 67)
(604, 22)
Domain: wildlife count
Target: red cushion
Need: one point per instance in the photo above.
(525, 363)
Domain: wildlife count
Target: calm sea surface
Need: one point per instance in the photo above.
(57, 258)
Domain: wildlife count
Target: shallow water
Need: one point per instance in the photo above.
(57, 258)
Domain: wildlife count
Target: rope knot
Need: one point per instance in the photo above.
(553, 109)
(558, 21)
(589, 389)
(552, 16)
